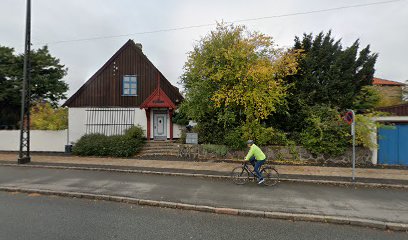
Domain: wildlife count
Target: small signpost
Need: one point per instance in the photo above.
(349, 117)
(192, 138)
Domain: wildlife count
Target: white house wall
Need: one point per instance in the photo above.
(140, 118)
(78, 120)
(76, 124)
(374, 150)
(177, 130)
(151, 124)
(40, 140)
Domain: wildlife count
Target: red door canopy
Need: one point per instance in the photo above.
(158, 99)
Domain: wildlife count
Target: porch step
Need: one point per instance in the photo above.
(164, 148)
(160, 142)
(156, 154)
(159, 151)
(160, 147)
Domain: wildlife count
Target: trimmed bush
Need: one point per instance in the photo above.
(262, 135)
(234, 140)
(136, 132)
(114, 146)
(89, 145)
(325, 133)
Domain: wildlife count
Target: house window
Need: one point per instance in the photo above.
(129, 85)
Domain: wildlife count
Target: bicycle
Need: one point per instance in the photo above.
(240, 175)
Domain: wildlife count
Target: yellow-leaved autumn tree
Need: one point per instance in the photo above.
(233, 79)
(45, 117)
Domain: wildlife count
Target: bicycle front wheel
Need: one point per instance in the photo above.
(271, 176)
(240, 175)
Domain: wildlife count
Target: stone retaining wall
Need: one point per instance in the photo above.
(282, 153)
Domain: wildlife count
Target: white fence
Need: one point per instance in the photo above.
(40, 141)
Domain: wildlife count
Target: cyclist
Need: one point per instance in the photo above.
(257, 158)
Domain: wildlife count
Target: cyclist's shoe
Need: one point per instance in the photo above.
(261, 181)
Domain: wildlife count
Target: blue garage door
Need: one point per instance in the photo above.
(393, 145)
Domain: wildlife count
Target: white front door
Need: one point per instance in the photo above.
(160, 126)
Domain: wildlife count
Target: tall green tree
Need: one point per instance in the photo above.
(9, 88)
(368, 98)
(329, 75)
(46, 81)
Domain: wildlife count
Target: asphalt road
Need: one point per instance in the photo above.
(40, 218)
(369, 203)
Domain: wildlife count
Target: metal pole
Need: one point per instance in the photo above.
(353, 132)
(24, 155)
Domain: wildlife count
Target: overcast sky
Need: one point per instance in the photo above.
(384, 27)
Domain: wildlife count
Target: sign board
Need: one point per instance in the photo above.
(192, 138)
(348, 117)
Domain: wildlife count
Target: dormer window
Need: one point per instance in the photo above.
(129, 85)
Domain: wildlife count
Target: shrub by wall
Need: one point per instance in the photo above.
(234, 139)
(125, 145)
(325, 132)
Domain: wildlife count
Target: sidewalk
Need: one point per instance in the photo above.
(395, 176)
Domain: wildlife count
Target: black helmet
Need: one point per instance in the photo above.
(250, 142)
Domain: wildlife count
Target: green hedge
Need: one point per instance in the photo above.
(234, 140)
(325, 132)
(114, 146)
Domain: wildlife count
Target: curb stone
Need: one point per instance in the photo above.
(202, 208)
(251, 213)
(130, 200)
(279, 215)
(397, 226)
(220, 177)
(185, 206)
(309, 217)
(226, 211)
(337, 220)
(168, 204)
(368, 223)
(148, 202)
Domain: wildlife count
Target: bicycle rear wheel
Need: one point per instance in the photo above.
(270, 175)
(240, 175)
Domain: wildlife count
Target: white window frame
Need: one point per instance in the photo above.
(129, 85)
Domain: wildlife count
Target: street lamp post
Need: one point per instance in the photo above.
(24, 154)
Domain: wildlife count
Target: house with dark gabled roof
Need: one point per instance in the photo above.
(127, 90)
